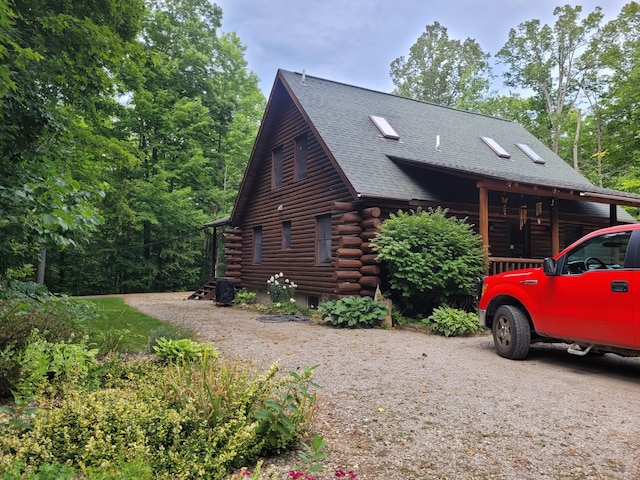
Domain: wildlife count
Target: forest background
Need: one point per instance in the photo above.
(126, 125)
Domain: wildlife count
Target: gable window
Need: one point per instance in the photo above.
(301, 156)
(323, 239)
(257, 245)
(276, 170)
(286, 234)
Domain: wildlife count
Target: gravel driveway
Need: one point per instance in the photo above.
(400, 404)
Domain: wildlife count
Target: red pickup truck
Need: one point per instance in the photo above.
(585, 296)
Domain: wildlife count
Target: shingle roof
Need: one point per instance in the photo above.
(340, 114)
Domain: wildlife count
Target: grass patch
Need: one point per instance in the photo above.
(119, 327)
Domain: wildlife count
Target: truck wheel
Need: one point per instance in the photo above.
(511, 332)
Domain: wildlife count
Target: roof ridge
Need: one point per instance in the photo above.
(335, 82)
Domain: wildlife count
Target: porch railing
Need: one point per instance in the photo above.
(506, 264)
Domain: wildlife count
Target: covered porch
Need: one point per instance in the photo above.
(538, 216)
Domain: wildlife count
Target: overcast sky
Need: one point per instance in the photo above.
(355, 41)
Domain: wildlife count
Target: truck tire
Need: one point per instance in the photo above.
(511, 332)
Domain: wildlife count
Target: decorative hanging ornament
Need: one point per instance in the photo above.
(504, 200)
(523, 215)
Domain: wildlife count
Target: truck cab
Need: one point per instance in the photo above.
(584, 296)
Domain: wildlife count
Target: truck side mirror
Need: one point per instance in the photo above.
(549, 267)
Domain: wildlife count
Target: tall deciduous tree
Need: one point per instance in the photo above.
(58, 61)
(190, 113)
(546, 60)
(442, 70)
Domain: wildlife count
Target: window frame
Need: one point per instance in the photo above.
(257, 245)
(323, 239)
(301, 157)
(286, 234)
(277, 156)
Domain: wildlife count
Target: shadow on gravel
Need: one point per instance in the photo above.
(610, 365)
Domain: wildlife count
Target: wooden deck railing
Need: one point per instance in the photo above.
(506, 264)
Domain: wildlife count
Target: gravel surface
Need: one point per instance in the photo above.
(401, 404)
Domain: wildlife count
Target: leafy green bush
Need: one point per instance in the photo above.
(27, 307)
(183, 350)
(245, 297)
(204, 419)
(169, 332)
(353, 312)
(431, 259)
(51, 367)
(452, 322)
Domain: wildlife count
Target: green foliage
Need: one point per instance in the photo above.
(204, 419)
(20, 413)
(245, 297)
(353, 312)
(183, 350)
(169, 332)
(27, 308)
(452, 322)
(432, 259)
(121, 328)
(313, 454)
(442, 70)
(50, 367)
(281, 418)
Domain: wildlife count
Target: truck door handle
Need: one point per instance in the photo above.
(619, 286)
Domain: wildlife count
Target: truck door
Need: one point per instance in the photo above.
(592, 300)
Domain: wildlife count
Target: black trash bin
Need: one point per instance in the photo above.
(225, 292)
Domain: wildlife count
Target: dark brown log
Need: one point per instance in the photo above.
(370, 223)
(349, 241)
(372, 212)
(368, 234)
(349, 252)
(232, 238)
(350, 217)
(370, 282)
(233, 266)
(233, 231)
(344, 206)
(367, 293)
(348, 230)
(366, 247)
(370, 270)
(347, 263)
(369, 259)
(347, 287)
(341, 275)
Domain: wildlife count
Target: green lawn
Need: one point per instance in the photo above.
(125, 326)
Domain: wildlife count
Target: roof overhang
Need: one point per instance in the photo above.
(218, 223)
(595, 194)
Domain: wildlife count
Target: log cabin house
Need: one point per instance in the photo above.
(331, 161)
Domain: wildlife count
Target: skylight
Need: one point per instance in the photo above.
(530, 153)
(385, 128)
(495, 146)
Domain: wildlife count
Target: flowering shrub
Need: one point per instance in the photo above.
(281, 290)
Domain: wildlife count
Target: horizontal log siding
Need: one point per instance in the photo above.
(302, 201)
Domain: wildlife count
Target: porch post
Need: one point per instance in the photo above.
(613, 215)
(555, 230)
(484, 221)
